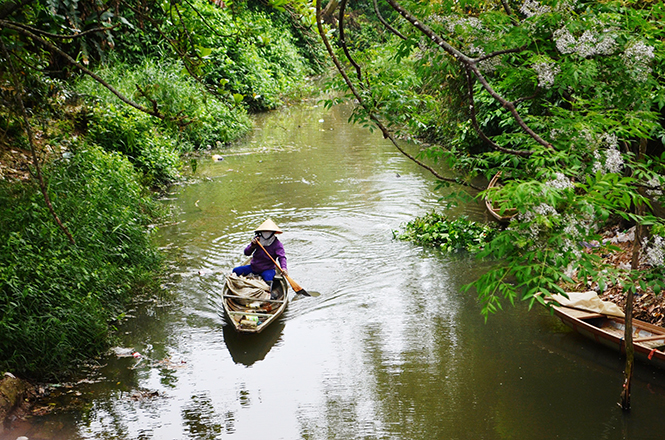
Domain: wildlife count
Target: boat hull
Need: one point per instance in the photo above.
(253, 316)
(495, 211)
(648, 339)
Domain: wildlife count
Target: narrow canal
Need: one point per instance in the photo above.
(391, 349)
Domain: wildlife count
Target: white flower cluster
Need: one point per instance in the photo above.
(655, 182)
(560, 182)
(545, 209)
(588, 44)
(528, 218)
(546, 73)
(613, 159)
(465, 22)
(611, 140)
(452, 21)
(637, 57)
(533, 7)
(655, 254)
(566, 5)
(489, 65)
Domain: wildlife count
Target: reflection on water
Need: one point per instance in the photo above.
(392, 349)
(246, 349)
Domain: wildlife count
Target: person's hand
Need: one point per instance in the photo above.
(285, 272)
(254, 241)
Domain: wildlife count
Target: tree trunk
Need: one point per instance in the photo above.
(634, 265)
(328, 13)
(630, 353)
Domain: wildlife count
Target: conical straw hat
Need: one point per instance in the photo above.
(269, 225)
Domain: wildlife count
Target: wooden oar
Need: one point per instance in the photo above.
(296, 288)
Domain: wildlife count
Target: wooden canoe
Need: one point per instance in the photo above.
(252, 316)
(648, 339)
(493, 208)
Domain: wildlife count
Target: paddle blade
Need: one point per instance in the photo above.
(296, 287)
(302, 292)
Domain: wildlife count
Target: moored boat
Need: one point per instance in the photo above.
(253, 315)
(608, 330)
(493, 207)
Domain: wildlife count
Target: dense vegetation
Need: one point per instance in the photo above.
(565, 97)
(100, 100)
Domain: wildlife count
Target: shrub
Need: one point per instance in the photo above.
(58, 300)
(204, 120)
(134, 134)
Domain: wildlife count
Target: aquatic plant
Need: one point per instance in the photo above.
(434, 229)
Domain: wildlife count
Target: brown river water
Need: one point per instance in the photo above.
(391, 349)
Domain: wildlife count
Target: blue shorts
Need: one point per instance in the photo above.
(267, 275)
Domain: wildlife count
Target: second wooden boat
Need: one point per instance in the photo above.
(249, 315)
(493, 207)
(648, 339)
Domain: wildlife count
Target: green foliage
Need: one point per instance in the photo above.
(197, 66)
(58, 301)
(133, 133)
(255, 52)
(583, 147)
(195, 120)
(437, 230)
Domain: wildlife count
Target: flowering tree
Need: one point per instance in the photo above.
(565, 98)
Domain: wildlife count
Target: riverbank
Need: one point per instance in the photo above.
(647, 306)
(16, 398)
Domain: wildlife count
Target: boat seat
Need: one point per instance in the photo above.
(651, 344)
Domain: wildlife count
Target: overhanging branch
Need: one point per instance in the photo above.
(472, 65)
(384, 130)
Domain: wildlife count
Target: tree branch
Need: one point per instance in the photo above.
(373, 117)
(73, 62)
(65, 37)
(33, 149)
(471, 64)
(179, 53)
(476, 126)
(9, 8)
(500, 52)
(342, 40)
(385, 23)
(208, 25)
(506, 7)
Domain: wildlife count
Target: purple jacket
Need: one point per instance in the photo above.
(260, 260)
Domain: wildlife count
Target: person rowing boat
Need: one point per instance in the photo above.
(263, 263)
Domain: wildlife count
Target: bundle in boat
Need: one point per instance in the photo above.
(248, 304)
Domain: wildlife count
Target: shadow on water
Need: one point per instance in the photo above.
(246, 349)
